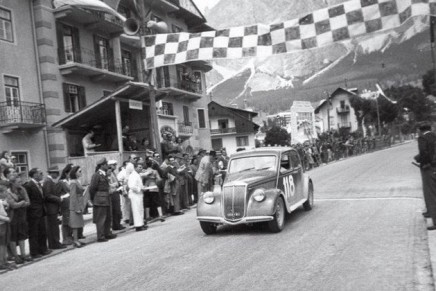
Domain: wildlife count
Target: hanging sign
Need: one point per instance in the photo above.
(133, 104)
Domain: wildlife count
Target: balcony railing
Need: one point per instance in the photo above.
(27, 114)
(185, 128)
(70, 55)
(191, 86)
(345, 109)
(223, 130)
(344, 125)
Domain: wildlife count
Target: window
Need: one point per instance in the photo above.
(102, 52)
(68, 44)
(295, 159)
(12, 91)
(163, 77)
(186, 115)
(285, 162)
(167, 108)
(6, 32)
(342, 104)
(242, 141)
(201, 118)
(223, 123)
(126, 61)
(217, 144)
(74, 97)
(21, 162)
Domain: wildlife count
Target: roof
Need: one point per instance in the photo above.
(236, 112)
(252, 113)
(101, 108)
(262, 150)
(333, 95)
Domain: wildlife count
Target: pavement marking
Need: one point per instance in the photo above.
(368, 199)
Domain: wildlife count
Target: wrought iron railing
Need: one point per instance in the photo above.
(16, 112)
(223, 130)
(345, 109)
(185, 127)
(69, 55)
(191, 86)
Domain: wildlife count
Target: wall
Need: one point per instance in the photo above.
(229, 142)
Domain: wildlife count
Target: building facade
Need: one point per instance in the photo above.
(82, 72)
(336, 113)
(231, 128)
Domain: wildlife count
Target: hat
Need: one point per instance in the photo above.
(112, 162)
(424, 126)
(102, 161)
(200, 151)
(53, 169)
(212, 153)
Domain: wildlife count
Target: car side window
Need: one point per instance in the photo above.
(295, 160)
(285, 163)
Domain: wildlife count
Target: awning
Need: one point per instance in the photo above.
(103, 109)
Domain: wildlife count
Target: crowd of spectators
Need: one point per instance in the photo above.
(47, 208)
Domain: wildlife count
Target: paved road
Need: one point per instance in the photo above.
(366, 232)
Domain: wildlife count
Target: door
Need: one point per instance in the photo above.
(12, 93)
(297, 175)
(286, 179)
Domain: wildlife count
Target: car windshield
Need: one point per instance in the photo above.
(253, 163)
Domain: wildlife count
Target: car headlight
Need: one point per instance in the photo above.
(259, 195)
(208, 197)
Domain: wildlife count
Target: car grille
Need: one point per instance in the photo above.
(234, 201)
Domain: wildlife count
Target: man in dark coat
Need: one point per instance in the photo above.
(99, 191)
(53, 200)
(35, 215)
(427, 160)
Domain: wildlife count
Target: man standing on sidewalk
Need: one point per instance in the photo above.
(99, 192)
(427, 160)
(53, 202)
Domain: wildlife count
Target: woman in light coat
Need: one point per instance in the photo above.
(77, 204)
(135, 186)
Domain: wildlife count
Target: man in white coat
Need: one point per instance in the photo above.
(136, 195)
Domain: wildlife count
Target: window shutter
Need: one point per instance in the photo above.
(112, 66)
(97, 52)
(82, 97)
(134, 69)
(201, 120)
(67, 101)
(60, 39)
(76, 45)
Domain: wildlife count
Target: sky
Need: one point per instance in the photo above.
(202, 4)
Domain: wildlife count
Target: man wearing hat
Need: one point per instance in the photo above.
(53, 200)
(427, 160)
(204, 174)
(99, 191)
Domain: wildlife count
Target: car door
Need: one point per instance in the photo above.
(297, 175)
(286, 179)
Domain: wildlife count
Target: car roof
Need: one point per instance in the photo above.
(261, 150)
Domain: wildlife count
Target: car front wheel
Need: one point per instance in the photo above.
(278, 223)
(207, 227)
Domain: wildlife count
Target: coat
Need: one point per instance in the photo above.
(426, 146)
(36, 197)
(204, 173)
(52, 196)
(99, 189)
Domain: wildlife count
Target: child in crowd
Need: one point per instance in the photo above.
(4, 224)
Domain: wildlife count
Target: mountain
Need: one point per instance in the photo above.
(271, 84)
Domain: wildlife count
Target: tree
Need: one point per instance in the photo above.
(412, 98)
(428, 83)
(277, 136)
(362, 107)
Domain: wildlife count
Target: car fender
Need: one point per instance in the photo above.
(265, 207)
(306, 181)
(213, 209)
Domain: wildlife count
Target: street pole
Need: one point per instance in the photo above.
(378, 115)
(328, 112)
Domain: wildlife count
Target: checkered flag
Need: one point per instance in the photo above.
(340, 23)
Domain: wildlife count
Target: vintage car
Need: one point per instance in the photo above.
(260, 186)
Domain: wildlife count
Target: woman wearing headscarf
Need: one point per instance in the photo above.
(77, 204)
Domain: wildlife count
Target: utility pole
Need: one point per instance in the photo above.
(378, 114)
(432, 45)
(328, 111)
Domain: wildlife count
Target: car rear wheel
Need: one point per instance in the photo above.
(207, 227)
(278, 223)
(309, 202)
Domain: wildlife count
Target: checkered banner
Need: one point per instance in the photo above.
(339, 23)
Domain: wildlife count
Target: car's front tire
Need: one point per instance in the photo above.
(207, 227)
(278, 223)
(308, 205)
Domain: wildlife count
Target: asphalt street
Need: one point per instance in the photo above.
(366, 232)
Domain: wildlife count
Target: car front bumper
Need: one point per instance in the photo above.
(245, 220)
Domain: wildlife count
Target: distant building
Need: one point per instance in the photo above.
(231, 128)
(339, 114)
(302, 122)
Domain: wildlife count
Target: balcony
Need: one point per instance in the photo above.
(91, 20)
(83, 62)
(184, 88)
(344, 125)
(229, 130)
(343, 110)
(185, 128)
(21, 115)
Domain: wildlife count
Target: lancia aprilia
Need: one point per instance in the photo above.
(261, 186)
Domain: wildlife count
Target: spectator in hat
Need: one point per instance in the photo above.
(4, 226)
(171, 186)
(115, 191)
(77, 204)
(64, 188)
(53, 201)
(99, 191)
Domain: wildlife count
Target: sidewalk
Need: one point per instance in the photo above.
(89, 231)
